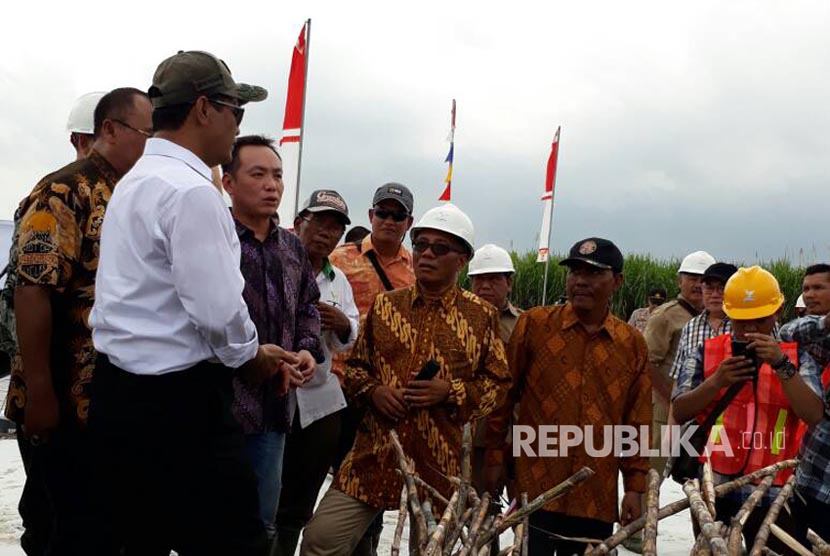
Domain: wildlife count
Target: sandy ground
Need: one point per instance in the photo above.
(674, 535)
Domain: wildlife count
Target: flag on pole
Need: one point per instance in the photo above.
(292, 129)
(446, 195)
(550, 184)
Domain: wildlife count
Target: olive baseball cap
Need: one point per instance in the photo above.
(186, 76)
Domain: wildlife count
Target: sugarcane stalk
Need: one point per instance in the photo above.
(414, 503)
(526, 532)
(551, 494)
(680, 505)
(485, 551)
(466, 467)
(702, 547)
(396, 541)
(457, 532)
(788, 540)
(763, 531)
(708, 488)
(652, 507)
(440, 533)
(517, 539)
(475, 526)
(707, 525)
(431, 525)
(431, 490)
(769, 552)
(820, 546)
(738, 521)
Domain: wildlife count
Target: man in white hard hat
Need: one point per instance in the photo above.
(81, 125)
(662, 336)
(416, 374)
(491, 273)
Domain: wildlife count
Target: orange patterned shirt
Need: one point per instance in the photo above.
(401, 333)
(366, 285)
(562, 375)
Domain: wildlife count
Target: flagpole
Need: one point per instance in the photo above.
(306, 55)
(550, 217)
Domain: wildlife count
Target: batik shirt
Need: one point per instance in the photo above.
(281, 293)
(57, 247)
(401, 333)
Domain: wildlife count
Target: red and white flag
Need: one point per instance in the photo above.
(550, 185)
(292, 129)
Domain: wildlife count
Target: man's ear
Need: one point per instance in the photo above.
(618, 281)
(227, 182)
(409, 222)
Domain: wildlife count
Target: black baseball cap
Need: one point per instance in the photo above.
(186, 76)
(657, 294)
(326, 200)
(720, 272)
(395, 192)
(597, 252)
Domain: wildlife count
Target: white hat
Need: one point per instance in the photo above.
(82, 116)
(696, 263)
(799, 303)
(448, 218)
(490, 259)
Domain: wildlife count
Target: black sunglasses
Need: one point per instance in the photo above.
(395, 215)
(237, 111)
(438, 249)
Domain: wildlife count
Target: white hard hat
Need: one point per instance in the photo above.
(799, 303)
(696, 263)
(490, 259)
(82, 116)
(448, 218)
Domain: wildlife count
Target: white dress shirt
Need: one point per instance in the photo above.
(322, 395)
(168, 292)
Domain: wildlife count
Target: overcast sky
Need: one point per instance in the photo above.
(694, 126)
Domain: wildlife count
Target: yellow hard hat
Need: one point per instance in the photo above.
(752, 293)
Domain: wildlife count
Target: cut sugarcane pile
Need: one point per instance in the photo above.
(466, 524)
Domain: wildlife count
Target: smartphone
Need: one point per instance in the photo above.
(429, 370)
(741, 349)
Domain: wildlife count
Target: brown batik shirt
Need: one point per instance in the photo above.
(562, 375)
(57, 247)
(401, 333)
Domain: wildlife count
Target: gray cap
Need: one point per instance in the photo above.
(395, 192)
(326, 200)
(185, 76)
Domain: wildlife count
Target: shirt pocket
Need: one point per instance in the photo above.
(457, 364)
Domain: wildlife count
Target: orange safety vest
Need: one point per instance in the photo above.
(759, 406)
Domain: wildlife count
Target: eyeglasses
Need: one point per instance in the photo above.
(383, 214)
(438, 249)
(237, 111)
(147, 134)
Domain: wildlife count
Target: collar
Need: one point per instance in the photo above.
(446, 301)
(570, 319)
(511, 310)
(328, 270)
(103, 165)
(242, 230)
(403, 254)
(162, 147)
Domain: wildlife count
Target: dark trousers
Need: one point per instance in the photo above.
(59, 515)
(171, 465)
(350, 423)
(809, 513)
(544, 525)
(309, 453)
(727, 508)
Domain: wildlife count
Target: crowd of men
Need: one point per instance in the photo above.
(185, 376)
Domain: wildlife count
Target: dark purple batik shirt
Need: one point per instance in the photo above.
(282, 296)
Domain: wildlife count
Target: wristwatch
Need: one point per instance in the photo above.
(784, 368)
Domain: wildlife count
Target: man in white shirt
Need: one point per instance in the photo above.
(310, 447)
(171, 326)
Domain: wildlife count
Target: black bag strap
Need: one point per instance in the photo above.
(688, 306)
(373, 258)
(722, 405)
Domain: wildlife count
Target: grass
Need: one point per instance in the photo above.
(641, 273)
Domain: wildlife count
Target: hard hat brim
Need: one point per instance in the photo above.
(752, 313)
(497, 270)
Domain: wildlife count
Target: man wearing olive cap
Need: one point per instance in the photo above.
(172, 328)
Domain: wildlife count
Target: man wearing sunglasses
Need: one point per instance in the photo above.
(53, 262)
(172, 329)
(376, 264)
(415, 372)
